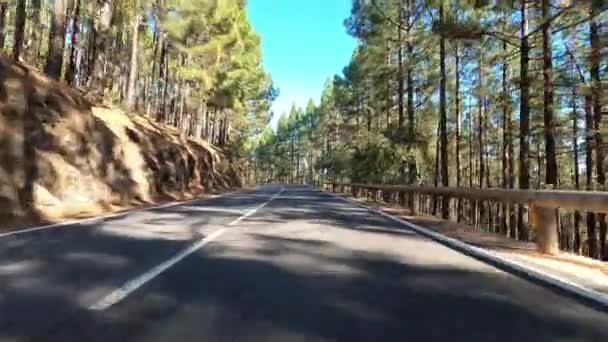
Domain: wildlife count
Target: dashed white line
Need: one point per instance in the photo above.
(129, 287)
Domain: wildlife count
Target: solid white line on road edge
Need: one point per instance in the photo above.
(589, 295)
(132, 285)
(109, 216)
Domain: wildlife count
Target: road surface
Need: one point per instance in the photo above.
(272, 264)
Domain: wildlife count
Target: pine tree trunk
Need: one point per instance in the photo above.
(457, 118)
(401, 75)
(445, 181)
(54, 61)
(70, 75)
(291, 155)
(437, 161)
(524, 122)
(550, 162)
(596, 90)
(480, 141)
(131, 91)
(19, 29)
(575, 157)
(506, 141)
(34, 29)
(410, 89)
(3, 21)
(589, 136)
(163, 78)
(472, 203)
(91, 55)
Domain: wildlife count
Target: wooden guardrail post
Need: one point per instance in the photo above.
(544, 221)
(412, 200)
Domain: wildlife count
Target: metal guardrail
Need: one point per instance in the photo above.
(542, 203)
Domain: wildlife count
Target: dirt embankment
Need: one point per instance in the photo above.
(60, 156)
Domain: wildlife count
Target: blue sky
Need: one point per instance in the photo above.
(304, 43)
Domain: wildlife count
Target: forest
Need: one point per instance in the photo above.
(479, 94)
(195, 65)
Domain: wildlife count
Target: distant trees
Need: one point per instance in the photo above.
(193, 64)
(466, 93)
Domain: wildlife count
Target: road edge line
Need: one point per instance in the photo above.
(577, 291)
(132, 285)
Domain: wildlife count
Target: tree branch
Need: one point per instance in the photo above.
(386, 17)
(576, 23)
(548, 21)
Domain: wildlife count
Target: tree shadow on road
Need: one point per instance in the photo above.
(219, 296)
(258, 286)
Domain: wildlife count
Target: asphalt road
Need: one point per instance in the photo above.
(304, 267)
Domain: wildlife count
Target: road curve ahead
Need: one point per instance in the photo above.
(274, 264)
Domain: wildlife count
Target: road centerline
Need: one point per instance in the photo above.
(132, 285)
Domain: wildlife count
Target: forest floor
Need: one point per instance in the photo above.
(65, 156)
(592, 274)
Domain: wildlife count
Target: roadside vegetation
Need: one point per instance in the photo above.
(462, 93)
(111, 103)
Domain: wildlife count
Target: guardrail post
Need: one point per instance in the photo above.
(412, 200)
(544, 221)
(401, 198)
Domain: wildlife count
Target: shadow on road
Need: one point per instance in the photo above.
(258, 286)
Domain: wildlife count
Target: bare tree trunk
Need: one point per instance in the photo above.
(3, 21)
(457, 114)
(482, 165)
(91, 55)
(577, 214)
(550, 162)
(591, 221)
(400, 67)
(54, 61)
(506, 141)
(34, 42)
(524, 122)
(131, 91)
(70, 74)
(588, 143)
(594, 38)
(163, 78)
(472, 204)
(445, 181)
(436, 175)
(19, 29)
(410, 88)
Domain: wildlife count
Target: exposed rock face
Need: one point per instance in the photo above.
(61, 156)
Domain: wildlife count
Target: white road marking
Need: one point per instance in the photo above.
(129, 287)
(487, 256)
(108, 216)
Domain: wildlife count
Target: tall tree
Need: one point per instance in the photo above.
(19, 29)
(54, 61)
(34, 31)
(594, 39)
(457, 133)
(443, 119)
(131, 91)
(3, 20)
(551, 161)
(70, 74)
(524, 117)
